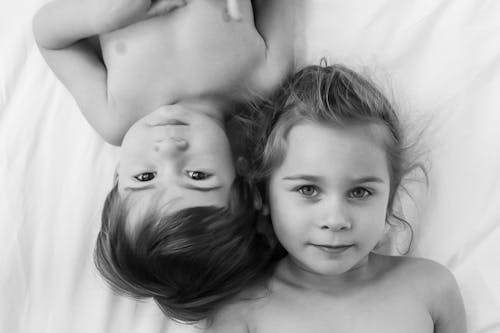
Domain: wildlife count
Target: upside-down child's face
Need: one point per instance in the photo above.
(178, 156)
(329, 197)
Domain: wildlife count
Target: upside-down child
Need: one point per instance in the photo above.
(334, 161)
(161, 78)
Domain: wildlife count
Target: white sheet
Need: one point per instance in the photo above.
(440, 58)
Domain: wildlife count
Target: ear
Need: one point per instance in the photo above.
(242, 166)
(260, 204)
(265, 210)
(265, 227)
(257, 199)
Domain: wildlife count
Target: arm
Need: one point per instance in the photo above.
(448, 307)
(275, 21)
(62, 29)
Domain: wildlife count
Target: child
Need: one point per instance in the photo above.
(168, 70)
(157, 53)
(161, 78)
(334, 161)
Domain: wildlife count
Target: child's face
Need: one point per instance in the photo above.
(180, 155)
(329, 197)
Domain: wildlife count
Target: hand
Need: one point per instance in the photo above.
(110, 15)
(160, 7)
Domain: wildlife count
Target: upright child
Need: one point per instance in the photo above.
(161, 78)
(334, 161)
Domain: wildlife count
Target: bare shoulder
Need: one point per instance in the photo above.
(426, 271)
(424, 274)
(439, 289)
(420, 266)
(275, 22)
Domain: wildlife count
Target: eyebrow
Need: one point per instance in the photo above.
(142, 188)
(188, 186)
(369, 179)
(312, 178)
(201, 189)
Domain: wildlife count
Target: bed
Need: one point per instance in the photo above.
(439, 59)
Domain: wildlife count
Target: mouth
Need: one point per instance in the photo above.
(336, 249)
(166, 122)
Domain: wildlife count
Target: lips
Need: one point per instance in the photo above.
(172, 122)
(332, 248)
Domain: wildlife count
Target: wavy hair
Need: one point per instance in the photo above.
(338, 96)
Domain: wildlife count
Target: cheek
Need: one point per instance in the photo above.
(287, 230)
(226, 163)
(219, 146)
(373, 222)
(288, 220)
(215, 135)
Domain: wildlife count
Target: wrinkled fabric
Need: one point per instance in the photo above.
(438, 60)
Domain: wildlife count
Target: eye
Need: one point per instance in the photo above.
(198, 175)
(145, 176)
(308, 190)
(359, 193)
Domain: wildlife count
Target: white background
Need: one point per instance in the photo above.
(439, 59)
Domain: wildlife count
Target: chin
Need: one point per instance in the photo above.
(335, 267)
(335, 271)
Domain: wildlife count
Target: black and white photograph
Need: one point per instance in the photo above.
(250, 166)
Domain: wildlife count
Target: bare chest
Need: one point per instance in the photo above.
(191, 52)
(372, 313)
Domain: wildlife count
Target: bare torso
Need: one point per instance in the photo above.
(384, 308)
(398, 299)
(192, 52)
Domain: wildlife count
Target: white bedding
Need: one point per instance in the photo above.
(441, 60)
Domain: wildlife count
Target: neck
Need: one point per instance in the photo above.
(293, 274)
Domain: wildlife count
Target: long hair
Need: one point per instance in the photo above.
(190, 262)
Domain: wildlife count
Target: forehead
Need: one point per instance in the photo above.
(360, 147)
(168, 199)
(355, 131)
(164, 202)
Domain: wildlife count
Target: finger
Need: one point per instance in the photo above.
(233, 9)
(161, 7)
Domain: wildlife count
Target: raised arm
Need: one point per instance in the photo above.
(62, 30)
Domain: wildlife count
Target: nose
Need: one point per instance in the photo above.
(335, 218)
(171, 146)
